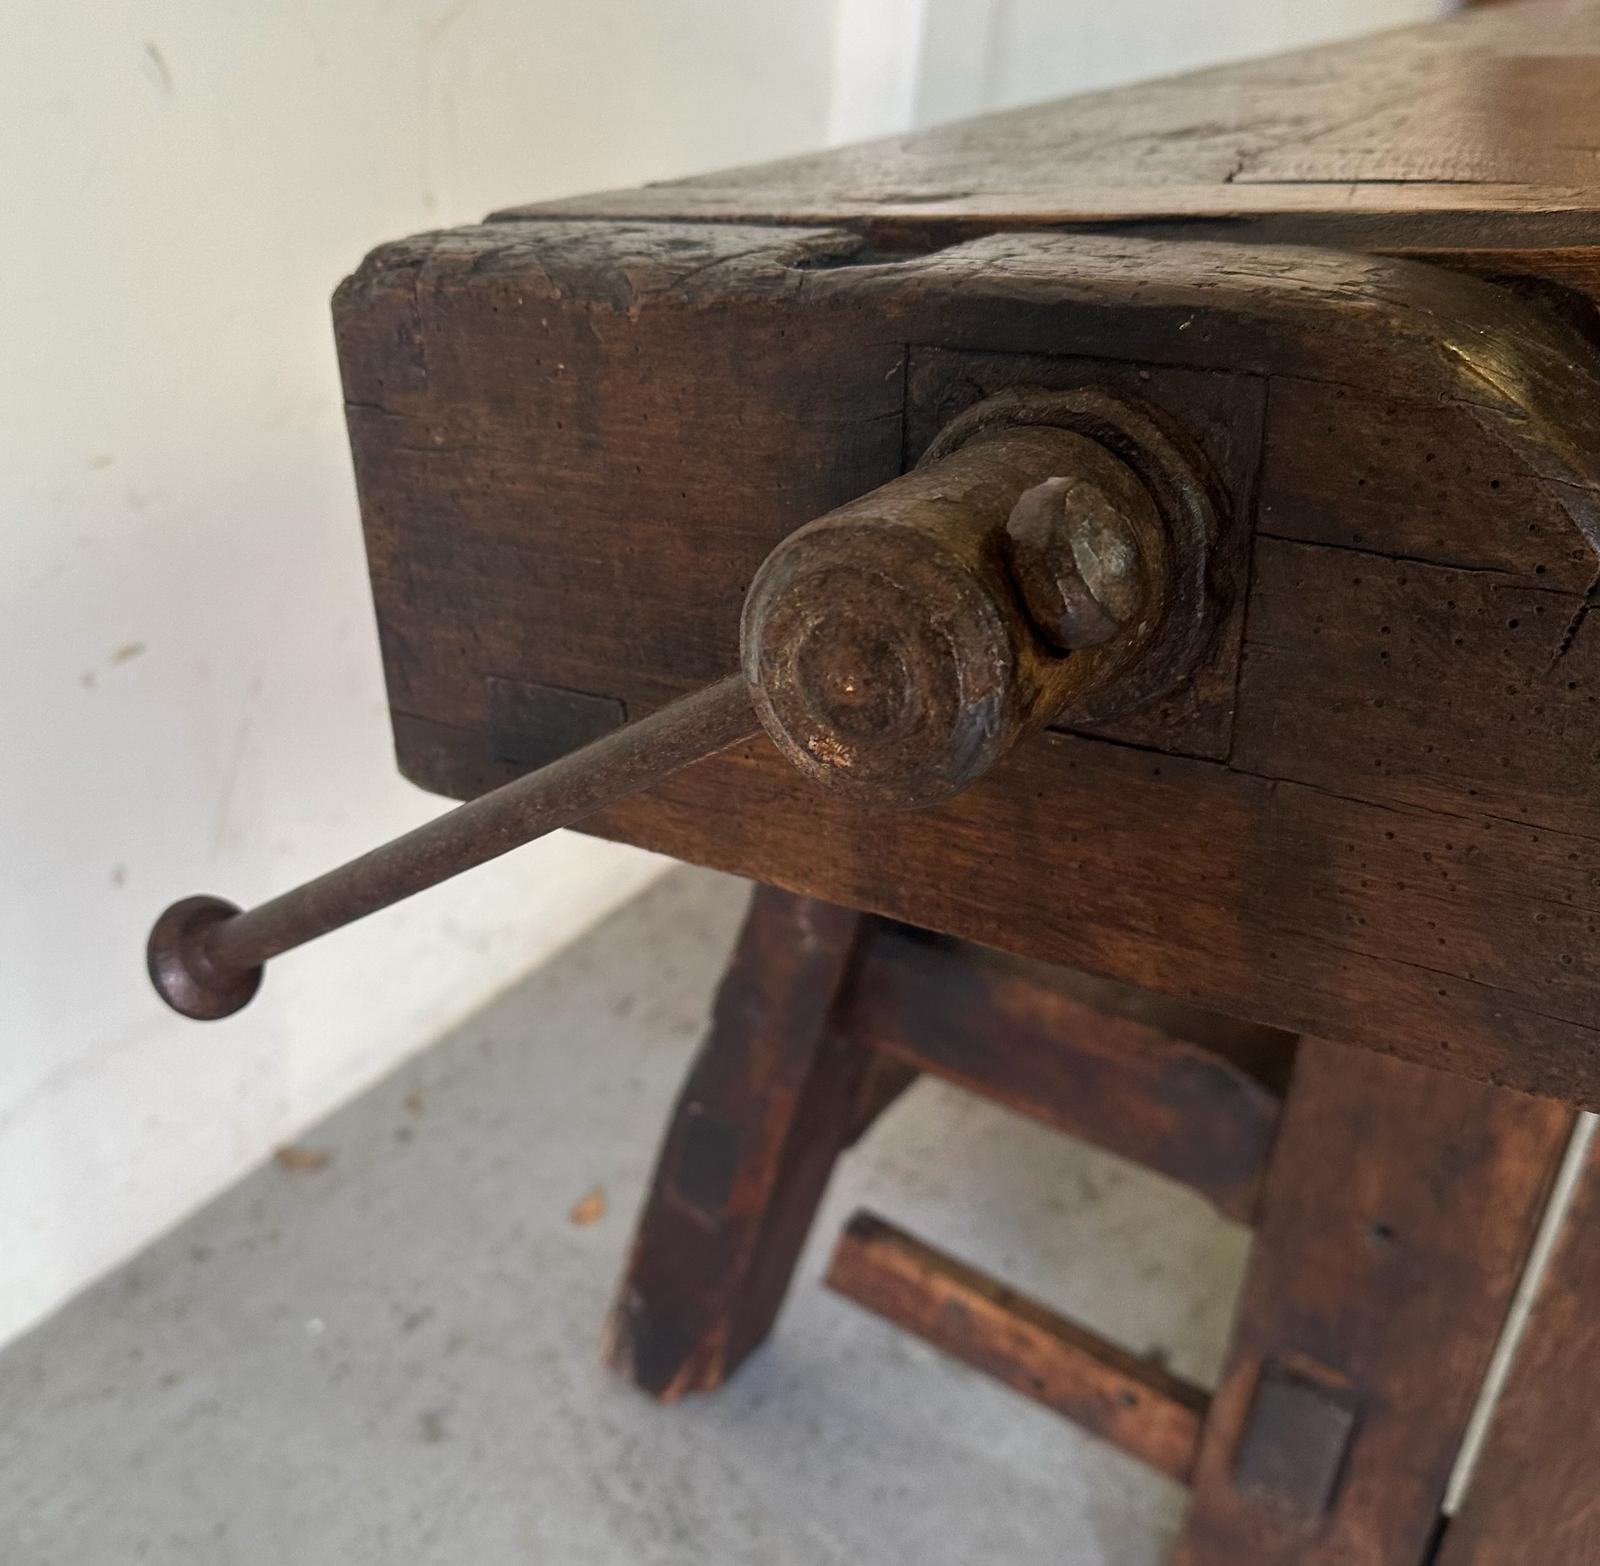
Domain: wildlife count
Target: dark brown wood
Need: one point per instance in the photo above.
(891, 646)
(1455, 503)
(1292, 904)
(1398, 1212)
(1393, 1226)
(1533, 1492)
(1395, 781)
(774, 1095)
(1132, 1403)
(532, 725)
(1019, 1035)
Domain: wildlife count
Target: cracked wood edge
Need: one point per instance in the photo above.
(1419, 332)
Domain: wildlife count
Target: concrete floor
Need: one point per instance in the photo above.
(390, 1356)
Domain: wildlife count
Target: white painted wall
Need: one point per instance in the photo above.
(968, 56)
(190, 696)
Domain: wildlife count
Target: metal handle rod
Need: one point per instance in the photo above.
(205, 956)
(893, 649)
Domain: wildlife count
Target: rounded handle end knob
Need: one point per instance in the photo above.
(183, 976)
(879, 664)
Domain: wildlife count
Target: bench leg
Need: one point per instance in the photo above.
(772, 1099)
(1399, 1209)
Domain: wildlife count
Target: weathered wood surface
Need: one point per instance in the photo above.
(1132, 1403)
(570, 425)
(1447, 134)
(1396, 1216)
(1399, 1208)
(774, 1096)
(1371, 814)
(1533, 1495)
(575, 443)
(1019, 1036)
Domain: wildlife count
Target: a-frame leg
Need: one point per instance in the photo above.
(772, 1099)
(1399, 1209)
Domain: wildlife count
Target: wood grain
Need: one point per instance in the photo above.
(575, 442)
(1134, 1404)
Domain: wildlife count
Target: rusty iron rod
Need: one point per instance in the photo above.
(205, 956)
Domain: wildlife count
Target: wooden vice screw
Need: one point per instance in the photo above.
(1046, 559)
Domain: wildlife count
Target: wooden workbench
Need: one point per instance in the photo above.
(1359, 285)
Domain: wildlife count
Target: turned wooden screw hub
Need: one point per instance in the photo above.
(1044, 560)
